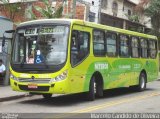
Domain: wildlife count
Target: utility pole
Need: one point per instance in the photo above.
(99, 12)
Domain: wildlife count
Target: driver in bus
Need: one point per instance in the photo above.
(74, 50)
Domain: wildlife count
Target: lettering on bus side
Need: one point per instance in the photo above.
(100, 66)
(124, 67)
(137, 66)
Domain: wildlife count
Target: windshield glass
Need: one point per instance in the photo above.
(42, 44)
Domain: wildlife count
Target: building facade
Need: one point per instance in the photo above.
(117, 13)
(71, 9)
(120, 13)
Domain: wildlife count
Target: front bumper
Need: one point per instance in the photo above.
(60, 87)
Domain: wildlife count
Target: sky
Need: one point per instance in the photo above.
(135, 1)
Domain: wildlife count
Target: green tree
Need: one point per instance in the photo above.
(153, 11)
(151, 8)
(10, 10)
(48, 11)
(133, 18)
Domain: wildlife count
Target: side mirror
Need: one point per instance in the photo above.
(10, 31)
(3, 41)
(4, 38)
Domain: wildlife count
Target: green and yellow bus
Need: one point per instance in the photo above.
(67, 56)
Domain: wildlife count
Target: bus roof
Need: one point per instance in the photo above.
(48, 21)
(86, 23)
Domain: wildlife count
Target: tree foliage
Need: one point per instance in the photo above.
(153, 11)
(48, 11)
(10, 9)
(140, 8)
(133, 18)
(151, 8)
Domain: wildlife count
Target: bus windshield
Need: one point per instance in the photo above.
(41, 44)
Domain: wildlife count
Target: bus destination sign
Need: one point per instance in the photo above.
(30, 32)
(51, 30)
(44, 30)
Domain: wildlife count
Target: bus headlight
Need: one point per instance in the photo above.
(60, 77)
(13, 77)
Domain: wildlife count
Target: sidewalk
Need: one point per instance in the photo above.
(7, 94)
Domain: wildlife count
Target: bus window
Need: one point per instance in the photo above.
(144, 50)
(111, 42)
(135, 47)
(124, 46)
(79, 46)
(98, 43)
(152, 49)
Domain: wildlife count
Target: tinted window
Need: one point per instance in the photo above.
(152, 48)
(135, 47)
(111, 44)
(124, 45)
(144, 50)
(98, 43)
(79, 46)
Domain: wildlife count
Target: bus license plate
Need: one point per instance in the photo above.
(33, 86)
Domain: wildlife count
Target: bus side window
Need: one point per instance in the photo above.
(111, 44)
(79, 46)
(124, 46)
(135, 47)
(152, 49)
(98, 43)
(144, 48)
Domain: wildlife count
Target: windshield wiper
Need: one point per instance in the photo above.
(44, 62)
(22, 63)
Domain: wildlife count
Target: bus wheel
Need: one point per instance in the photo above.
(99, 89)
(92, 90)
(142, 82)
(47, 96)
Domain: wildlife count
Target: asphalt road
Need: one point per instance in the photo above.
(121, 100)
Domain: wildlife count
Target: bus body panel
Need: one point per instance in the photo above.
(116, 71)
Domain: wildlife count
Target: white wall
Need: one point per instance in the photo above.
(121, 12)
(94, 8)
(108, 10)
(5, 25)
(127, 7)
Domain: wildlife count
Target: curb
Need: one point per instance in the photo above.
(3, 99)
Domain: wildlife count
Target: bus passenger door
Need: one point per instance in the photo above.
(79, 52)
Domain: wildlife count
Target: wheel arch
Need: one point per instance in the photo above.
(98, 78)
(144, 72)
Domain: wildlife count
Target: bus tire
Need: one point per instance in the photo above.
(47, 96)
(99, 89)
(142, 82)
(92, 89)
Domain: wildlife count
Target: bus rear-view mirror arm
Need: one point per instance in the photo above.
(4, 38)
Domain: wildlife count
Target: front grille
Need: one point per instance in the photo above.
(39, 80)
(39, 88)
